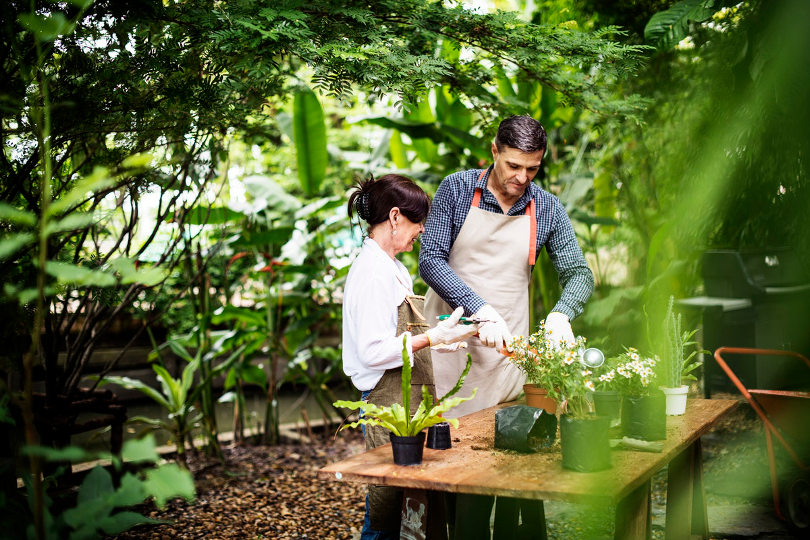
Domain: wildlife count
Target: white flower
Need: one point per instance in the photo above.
(589, 385)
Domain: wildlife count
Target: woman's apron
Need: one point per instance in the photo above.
(385, 503)
(492, 254)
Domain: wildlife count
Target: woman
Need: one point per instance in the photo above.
(379, 311)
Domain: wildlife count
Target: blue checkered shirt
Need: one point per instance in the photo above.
(554, 232)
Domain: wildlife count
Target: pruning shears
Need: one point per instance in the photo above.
(464, 320)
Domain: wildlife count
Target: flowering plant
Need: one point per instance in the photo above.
(605, 375)
(633, 376)
(557, 368)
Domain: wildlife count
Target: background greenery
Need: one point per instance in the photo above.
(185, 165)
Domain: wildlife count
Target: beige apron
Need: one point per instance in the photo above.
(385, 503)
(492, 255)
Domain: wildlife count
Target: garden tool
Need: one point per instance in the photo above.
(465, 320)
(591, 357)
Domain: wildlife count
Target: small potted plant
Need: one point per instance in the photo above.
(407, 435)
(606, 399)
(583, 435)
(643, 411)
(544, 364)
(676, 365)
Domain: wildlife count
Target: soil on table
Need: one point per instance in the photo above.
(274, 492)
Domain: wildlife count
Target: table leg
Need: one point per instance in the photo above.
(686, 500)
(633, 516)
(531, 514)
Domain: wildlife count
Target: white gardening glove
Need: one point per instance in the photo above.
(494, 333)
(451, 347)
(558, 329)
(449, 331)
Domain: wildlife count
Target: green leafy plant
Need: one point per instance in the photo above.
(676, 365)
(176, 396)
(397, 418)
(101, 503)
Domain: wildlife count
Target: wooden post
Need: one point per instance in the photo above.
(686, 502)
(633, 516)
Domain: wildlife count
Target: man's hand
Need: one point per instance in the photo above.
(558, 329)
(449, 331)
(495, 332)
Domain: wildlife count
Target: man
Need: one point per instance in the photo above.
(481, 241)
(482, 238)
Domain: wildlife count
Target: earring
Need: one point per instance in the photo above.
(394, 232)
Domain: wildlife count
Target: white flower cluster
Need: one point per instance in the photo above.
(637, 366)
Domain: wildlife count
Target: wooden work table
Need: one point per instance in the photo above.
(472, 465)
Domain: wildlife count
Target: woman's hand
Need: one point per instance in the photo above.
(449, 331)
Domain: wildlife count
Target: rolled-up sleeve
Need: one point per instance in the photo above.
(441, 229)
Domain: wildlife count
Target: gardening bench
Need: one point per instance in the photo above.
(473, 466)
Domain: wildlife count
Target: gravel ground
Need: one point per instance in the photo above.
(274, 492)
(266, 492)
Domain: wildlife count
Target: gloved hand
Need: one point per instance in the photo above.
(558, 329)
(494, 333)
(449, 331)
(449, 347)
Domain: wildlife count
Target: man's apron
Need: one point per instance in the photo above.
(492, 255)
(385, 503)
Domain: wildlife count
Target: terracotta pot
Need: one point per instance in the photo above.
(538, 397)
(676, 399)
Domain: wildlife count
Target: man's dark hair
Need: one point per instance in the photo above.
(521, 132)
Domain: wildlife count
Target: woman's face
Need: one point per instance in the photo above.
(407, 233)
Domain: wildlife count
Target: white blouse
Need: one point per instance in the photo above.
(375, 287)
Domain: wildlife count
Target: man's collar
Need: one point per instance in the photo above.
(481, 183)
(520, 204)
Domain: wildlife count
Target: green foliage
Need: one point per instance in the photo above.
(100, 504)
(178, 396)
(310, 140)
(397, 418)
(666, 28)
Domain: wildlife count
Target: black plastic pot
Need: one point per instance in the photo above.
(438, 436)
(584, 441)
(524, 429)
(408, 450)
(607, 403)
(645, 417)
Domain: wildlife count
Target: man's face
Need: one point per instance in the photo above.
(513, 171)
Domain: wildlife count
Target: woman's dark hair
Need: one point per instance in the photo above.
(373, 199)
(521, 132)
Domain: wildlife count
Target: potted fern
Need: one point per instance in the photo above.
(407, 435)
(676, 365)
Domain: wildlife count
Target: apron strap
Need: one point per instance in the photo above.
(414, 308)
(476, 202)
